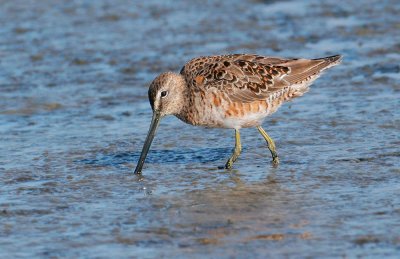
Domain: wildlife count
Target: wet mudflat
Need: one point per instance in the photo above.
(74, 115)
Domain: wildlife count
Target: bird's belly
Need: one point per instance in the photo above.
(228, 115)
(231, 122)
(245, 121)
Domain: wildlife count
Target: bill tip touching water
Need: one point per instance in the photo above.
(231, 91)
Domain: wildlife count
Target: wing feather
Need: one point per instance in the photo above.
(247, 78)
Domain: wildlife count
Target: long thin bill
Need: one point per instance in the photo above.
(150, 136)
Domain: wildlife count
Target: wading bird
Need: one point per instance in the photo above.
(231, 91)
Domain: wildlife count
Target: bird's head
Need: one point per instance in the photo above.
(166, 96)
(166, 93)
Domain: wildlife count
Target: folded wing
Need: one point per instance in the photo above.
(247, 78)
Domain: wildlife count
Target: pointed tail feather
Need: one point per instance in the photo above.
(304, 72)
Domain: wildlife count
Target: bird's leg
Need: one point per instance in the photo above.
(236, 151)
(271, 145)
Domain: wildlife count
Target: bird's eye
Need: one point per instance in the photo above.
(164, 94)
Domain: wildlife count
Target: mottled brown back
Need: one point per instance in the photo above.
(247, 78)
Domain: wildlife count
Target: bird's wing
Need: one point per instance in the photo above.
(247, 78)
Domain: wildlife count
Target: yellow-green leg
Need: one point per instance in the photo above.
(271, 145)
(236, 151)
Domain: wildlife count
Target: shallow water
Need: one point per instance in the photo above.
(74, 115)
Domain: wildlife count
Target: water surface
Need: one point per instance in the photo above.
(74, 115)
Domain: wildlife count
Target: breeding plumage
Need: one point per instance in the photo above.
(231, 91)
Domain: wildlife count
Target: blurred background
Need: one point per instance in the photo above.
(74, 114)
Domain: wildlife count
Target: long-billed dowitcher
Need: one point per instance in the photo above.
(231, 91)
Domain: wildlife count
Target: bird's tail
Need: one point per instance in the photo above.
(330, 61)
(305, 71)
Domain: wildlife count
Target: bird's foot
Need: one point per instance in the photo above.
(229, 164)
